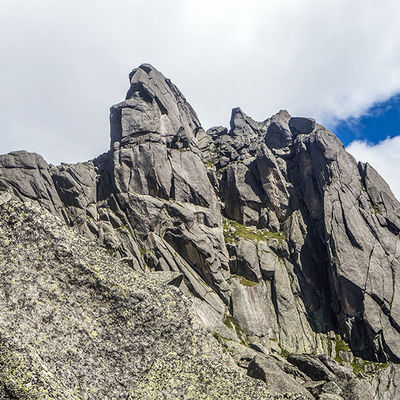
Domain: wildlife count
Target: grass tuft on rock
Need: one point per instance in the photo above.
(233, 231)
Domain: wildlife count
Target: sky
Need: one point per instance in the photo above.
(64, 63)
(374, 137)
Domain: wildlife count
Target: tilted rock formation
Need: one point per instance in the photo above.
(283, 243)
(76, 324)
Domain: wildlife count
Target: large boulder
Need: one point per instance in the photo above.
(301, 125)
(276, 380)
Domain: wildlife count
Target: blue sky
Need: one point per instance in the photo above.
(379, 122)
(374, 137)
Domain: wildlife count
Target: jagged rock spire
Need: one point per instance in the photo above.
(154, 106)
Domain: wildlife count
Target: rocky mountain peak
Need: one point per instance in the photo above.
(243, 125)
(155, 110)
(287, 249)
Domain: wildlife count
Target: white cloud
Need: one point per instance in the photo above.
(63, 63)
(384, 157)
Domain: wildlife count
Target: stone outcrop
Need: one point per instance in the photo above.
(285, 245)
(77, 324)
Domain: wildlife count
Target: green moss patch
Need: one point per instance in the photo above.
(341, 345)
(127, 228)
(233, 231)
(210, 163)
(231, 323)
(284, 353)
(365, 367)
(360, 366)
(244, 281)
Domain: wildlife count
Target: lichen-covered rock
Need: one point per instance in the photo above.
(75, 324)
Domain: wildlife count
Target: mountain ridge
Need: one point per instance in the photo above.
(284, 242)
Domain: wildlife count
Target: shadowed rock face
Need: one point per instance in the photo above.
(280, 239)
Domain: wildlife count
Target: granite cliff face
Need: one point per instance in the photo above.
(283, 247)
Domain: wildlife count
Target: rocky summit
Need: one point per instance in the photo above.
(255, 261)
